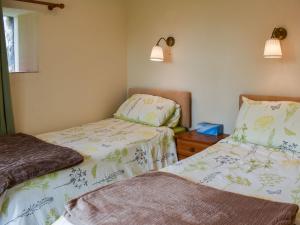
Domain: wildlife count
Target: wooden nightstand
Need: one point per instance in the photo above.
(190, 143)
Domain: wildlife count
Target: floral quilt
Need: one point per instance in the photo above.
(113, 150)
(247, 169)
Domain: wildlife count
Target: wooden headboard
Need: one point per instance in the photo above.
(183, 98)
(268, 98)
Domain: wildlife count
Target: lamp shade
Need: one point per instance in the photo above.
(273, 49)
(157, 54)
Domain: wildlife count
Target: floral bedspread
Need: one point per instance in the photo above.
(246, 169)
(113, 150)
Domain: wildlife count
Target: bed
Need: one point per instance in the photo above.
(244, 168)
(113, 149)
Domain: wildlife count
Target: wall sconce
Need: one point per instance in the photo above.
(273, 45)
(157, 54)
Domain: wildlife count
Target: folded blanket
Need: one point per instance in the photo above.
(23, 157)
(167, 199)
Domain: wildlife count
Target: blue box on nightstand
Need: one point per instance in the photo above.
(210, 129)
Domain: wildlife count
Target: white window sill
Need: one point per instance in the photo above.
(16, 73)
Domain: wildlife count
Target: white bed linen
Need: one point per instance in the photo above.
(246, 169)
(113, 150)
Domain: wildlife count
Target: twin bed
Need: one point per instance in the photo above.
(234, 164)
(113, 149)
(254, 170)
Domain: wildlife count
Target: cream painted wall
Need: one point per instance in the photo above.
(218, 53)
(82, 66)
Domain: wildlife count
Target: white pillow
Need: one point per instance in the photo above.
(272, 124)
(146, 109)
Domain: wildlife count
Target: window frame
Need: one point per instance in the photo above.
(16, 13)
(16, 40)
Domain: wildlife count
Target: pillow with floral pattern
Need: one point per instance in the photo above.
(146, 109)
(275, 124)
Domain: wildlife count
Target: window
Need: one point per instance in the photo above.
(21, 40)
(9, 28)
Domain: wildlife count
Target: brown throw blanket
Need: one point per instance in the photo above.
(23, 157)
(166, 199)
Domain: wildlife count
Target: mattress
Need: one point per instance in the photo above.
(113, 150)
(246, 169)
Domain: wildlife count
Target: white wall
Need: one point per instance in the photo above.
(82, 66)
(218, 53)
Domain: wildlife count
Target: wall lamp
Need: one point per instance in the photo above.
(157, 54)
(273, 45)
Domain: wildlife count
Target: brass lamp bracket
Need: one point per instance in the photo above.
(279, 33)
(170, 41)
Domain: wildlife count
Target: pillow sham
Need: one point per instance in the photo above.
(271, 124)
(146, 109)
(174, 120)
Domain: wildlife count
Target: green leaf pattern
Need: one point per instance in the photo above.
(238, 180)
(4, 207)
(296, 195)
(94, 171)
(291, 110)
(51, 217)
(288, 132)
(270, 179)
(198, 165)
(117, 156)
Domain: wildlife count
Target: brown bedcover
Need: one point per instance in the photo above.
(166, 199)
(23, 157)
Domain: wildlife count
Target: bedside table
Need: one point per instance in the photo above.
(190, 143)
